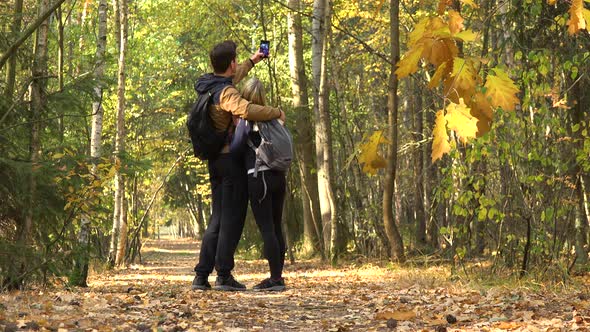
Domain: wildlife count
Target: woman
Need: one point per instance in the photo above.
(266, 192)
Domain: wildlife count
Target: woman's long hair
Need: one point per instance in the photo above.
(253, 91)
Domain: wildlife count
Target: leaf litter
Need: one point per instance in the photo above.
(156, 296)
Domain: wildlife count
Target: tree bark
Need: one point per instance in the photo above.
(95, 137)
(11, 68)
(419, 211)
(120, 139)
(42, 19)
(323, 151)
(391, 228)
(303, 133)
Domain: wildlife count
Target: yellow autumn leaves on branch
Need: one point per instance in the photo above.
(579, 17)
(469, 99)
(470, 102)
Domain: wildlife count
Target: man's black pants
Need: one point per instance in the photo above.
(230, 202)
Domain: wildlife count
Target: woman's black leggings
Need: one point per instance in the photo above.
(267, 195)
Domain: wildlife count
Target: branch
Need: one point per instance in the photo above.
(136, 232)
(343, 30)
(12, 49)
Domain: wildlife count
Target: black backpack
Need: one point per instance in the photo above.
(207, 142)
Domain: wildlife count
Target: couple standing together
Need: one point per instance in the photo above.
(233, 179)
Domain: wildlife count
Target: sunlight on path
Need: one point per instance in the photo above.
(156, 296)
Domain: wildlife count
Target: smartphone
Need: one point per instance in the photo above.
(265, 47)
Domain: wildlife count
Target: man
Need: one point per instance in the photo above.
(226, 173)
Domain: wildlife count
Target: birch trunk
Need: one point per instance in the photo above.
(96, 132)
(120, 140)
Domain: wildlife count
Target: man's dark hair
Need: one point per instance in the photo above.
(222, 55)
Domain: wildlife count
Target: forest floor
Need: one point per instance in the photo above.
(156, 296)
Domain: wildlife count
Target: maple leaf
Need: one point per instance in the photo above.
(577, 21)
(586, 14)
(439, 50)
(482, 110)
(409, 64)
(369, 157)
(460, 120)
(466, 35)
(418, 32)
(442, 71)
(501, 91)
(455, 21)
(440, 141)
(462, 82)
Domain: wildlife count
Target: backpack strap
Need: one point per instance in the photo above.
(256, 163)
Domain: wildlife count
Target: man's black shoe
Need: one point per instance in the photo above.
(200, 282)
(228, 284)
(271, 285)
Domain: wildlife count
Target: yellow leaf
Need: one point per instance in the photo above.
(551, 2)
(57, 156)
(397, 315)
(437, 51)
(461, 121)
(501, 91)
(470, 3)
(441, 72)
(466, 35)
(369, 157)
(442, 32)
(586, 14)
(440, 141)
(455, 21)
(482, 110)
(418, 32)
(576, 21)
(462, 82)
(409, 64)
(442, 5)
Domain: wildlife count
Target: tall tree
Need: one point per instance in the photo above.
(320, 23)
(11, 67)
(41, 19)
(304, 134)
(119, 215)
(120, 140)
(391, 228)
(418, 161)
(81, 272)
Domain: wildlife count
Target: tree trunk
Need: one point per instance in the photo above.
(38, 103)
(317, 42)
(120, 140)
(581, 226)
(96, 134)
(391, 228)
(11, 68)
(419, 211)
(303, 133)
(323, 150)
(41, 20)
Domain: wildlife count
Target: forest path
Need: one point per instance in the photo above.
(156, 296)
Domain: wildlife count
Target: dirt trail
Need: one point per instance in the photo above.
(156, 296)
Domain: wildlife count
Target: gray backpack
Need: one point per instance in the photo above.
(275, 151)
